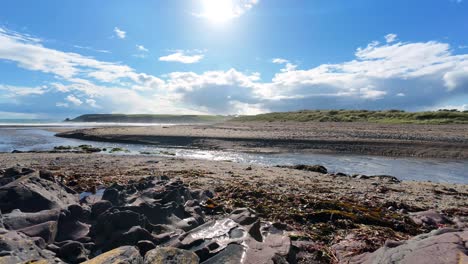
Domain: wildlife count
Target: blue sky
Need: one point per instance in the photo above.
(65, 58)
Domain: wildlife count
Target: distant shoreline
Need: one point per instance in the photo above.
(422, 141)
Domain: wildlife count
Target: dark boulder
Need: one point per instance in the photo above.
(73, 252)
(100, 207)
(112, 195)
(144, 246)
(33, 194)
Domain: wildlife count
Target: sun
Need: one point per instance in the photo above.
(218, 10)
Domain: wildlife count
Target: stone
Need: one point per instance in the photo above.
(121, 255)
(73, 252)
(439, 246)
(168, 255)
(46, 231)
(72, 230)
(429, 218)
(144, 246)
(16, 247)
(243, 216)
(18, 220)
(130, 237)
(111, 195)
(33, 194)
(47, 175)
(100, 207)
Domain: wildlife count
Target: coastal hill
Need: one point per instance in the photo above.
(122, 118)
(390, 116)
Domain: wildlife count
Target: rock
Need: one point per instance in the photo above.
(47, 175)
(100, 207)
(439, 246)
(429, 218)
(33, 194)
(18, 220)
(144, 246)
(111, 195)
(121, 255)
(11, 174)
(314, 168)
(70, 229)
(46, 231)
(73, 252)
(78, 212)
(170, 255)
(243, 216)
(16, 247)
(131, 237)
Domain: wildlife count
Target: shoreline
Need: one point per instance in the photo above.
(342, 215)
(432, 141)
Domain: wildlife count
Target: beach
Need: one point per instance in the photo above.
(396, 140)
(298, 213)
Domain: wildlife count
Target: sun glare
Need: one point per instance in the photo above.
(218, 10)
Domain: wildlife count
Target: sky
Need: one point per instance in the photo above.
(65, 58)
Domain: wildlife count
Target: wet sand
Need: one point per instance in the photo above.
(398, 140)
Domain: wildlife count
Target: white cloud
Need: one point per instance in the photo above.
(74, 100)
(410, 76)
(391, 38)
(279, 61)
(15, 91)
(92, 103)
(120, 33)
(60, 104)
(183, 57)
(91, 49)
(141, 48)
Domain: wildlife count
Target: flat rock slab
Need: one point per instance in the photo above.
(440, 246)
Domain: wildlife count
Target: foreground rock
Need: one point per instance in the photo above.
(152, 220)
(440, 246)
(30, 193)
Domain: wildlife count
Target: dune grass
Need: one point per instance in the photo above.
(390, 116)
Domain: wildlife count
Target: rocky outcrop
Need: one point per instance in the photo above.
(31, 193)
(440, 246)
(152, 220)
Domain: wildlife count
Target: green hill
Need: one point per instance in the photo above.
(121, 118)
(390, 116)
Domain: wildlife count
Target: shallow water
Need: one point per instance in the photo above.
(453, 171)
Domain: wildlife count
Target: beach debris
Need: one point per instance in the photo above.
(313, 168)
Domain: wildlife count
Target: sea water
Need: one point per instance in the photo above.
(37, 138)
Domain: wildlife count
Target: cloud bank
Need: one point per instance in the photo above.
(393, 74)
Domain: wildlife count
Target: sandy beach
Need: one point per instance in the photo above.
(398, 140)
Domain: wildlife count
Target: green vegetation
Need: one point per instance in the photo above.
(121, 118)
(390, 116)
